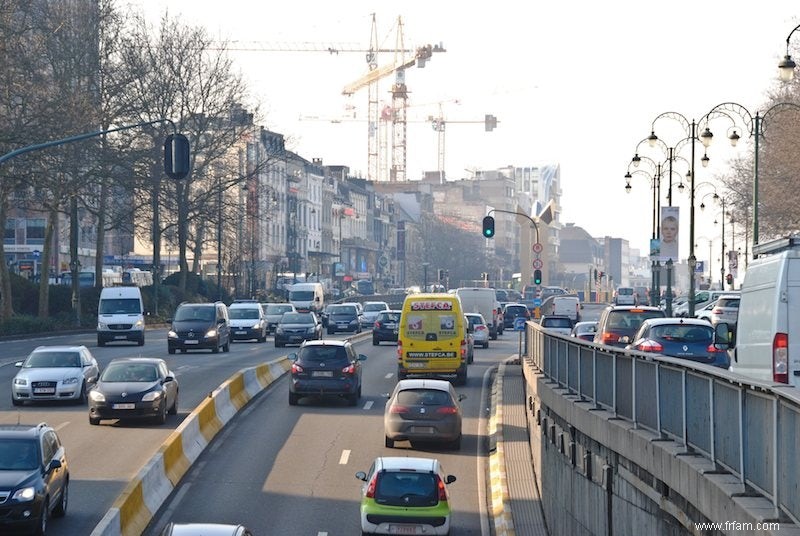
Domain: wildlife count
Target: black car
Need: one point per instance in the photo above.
(326, 368)
(344, 317)
(386, 327)
(513, 311)
(200, 326)
(294, 328)
(619, 323)
(134, 388)
(34, 477)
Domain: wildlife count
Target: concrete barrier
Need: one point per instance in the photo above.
(144, 495)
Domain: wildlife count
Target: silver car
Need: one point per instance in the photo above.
(479, 329)
(726, 309)
(55, 373)
(423, 410)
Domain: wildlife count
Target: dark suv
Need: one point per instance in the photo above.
(200, 326)
(619, 323)
(513, 311)
(34, 477)
(327, 367)
(344, 317)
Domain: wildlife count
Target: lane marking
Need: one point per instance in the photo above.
(345, 457)
(389, 375)
(368, 404)
(322, 534)
(60, 426)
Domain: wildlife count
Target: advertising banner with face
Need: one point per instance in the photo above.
(669, 234)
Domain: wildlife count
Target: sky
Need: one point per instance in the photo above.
(574, 83)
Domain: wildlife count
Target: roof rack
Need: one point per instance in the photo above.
(777, 245)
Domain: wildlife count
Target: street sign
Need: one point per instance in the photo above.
(383, 262)
(537, 264)
(36, 253)
(519, 324)
(537, 302)
(537, 247)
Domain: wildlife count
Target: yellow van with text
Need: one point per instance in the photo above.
(432, 338)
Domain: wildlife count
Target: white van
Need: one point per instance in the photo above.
(767, 342)
(482, 301)
(307, 297)
(568, 305)
(120, 315)
(625, 296)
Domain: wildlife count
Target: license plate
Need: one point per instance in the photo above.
(322, 374)
(120, 337)
(295, 338)
(405, 529)
(44, 390)
(190, 342)
(241, 332)
(422, 429)
(417, 365)
(391, 326)
(123, 406)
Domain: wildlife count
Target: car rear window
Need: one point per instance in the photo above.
(630, 319)
(332, 355)
(728, 302)
(297, 318)
(475, 320)
(406, 489)
(371, 307)
(516, 310)
(625, 291)
(423, 397)
(556, 323)
(683, 333)
(389, 317)
(342, 310)
(278, 309)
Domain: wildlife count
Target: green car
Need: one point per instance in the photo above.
(405, 496)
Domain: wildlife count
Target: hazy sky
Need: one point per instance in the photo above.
(577, 83)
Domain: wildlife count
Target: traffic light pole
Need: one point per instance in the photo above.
(518, 214)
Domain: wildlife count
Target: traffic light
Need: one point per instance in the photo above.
(537, 277)
(489, 122)
(488, 227)
(176, 156)
(729, 279)
(440, 274)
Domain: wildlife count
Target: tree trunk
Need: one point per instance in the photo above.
(155, 172)
(75, 266)
(6, 305)
(101, 233)
(47, 253)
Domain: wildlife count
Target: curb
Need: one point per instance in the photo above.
(500, 501)
(150, 488)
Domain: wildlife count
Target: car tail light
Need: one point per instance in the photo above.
(714, 349)
(399, 350)
(349, 369)
(370, 494)
(442, 490)
(377, 325)
(650, 346)
(610, 337)
(463, 349)
(296, 369)
(780, 358)
(396, 408)
(447, 410)
(480, 328)
(716, 311)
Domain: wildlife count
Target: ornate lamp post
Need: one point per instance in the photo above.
(787, 64)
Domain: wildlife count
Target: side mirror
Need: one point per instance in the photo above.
(449, 479)
(169, 321)
(361, 475)
(723, 336)
(362, 357)
(461, 397)
(169, 378)
(18, 364)
(53, 465)
(292, 356)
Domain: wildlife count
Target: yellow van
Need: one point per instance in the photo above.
(432, 339)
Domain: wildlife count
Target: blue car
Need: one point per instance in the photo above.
(685, 338)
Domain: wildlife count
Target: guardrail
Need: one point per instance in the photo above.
(749, 428)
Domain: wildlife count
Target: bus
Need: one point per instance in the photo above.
(137, 277)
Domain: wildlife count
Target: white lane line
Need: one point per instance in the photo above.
(389, 375)
(369, 404)
(345, 457)
(60, 426)
(322, 534)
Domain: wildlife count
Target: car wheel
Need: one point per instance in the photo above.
(174, 409)
(100, 342)
(215, 350)
(15, 402)
(41, 529)
(140, 342)
(456, 443)
(401, 375)
(331, 331)
(94, 421)
(162, 414)
(61, 509)
(486, 345)
(83, 396)
(375, 342)
(293, 399)
(352, 400)
(389, 443)
(461, 378)
(183, 350)
(227, 347)
(494, 337)
(170, 350)
(278, 344)
(263, 338)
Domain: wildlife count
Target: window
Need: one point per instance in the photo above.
(11, 231)
(34, 231)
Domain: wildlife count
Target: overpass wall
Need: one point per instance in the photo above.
(602, 472)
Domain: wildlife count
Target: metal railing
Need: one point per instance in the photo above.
(749, 428)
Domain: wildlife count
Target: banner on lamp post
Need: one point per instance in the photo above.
(669, 234)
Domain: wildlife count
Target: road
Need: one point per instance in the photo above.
(291, 470)
(103, 459)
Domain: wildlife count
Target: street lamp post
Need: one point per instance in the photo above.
(787, 64)
(655, 182)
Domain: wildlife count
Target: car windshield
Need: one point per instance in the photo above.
(297, 318)
(129, 372)
(515, 311)
(279, 309)
(323, 354)
(53, 359)
(342, 310)
(423, 397)
(18, 455)
(682, 333)
(301, 295)
(372, 307)
(728, 302)
(119, 306)
(407, 489)
(190, 313)
(243, 314)
(389, 317)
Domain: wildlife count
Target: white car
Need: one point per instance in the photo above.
(480, 331)
(705, 312)
(55, 373)
(371, 311)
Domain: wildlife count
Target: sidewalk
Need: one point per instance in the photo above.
(515, 500)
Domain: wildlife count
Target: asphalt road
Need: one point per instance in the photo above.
(103, 459)
(280, 469)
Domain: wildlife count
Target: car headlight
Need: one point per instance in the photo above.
(279, 330)
(139, 323)
(151, 396)
(24, 494)
(172, 335)
(101, 325)
(256, 325)
(211, 333)
(354, 321)
(20, 381)
(312, 329)
(69, 381)
(96, 396)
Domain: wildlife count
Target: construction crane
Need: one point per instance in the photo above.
(439, 126)
(398, 106)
